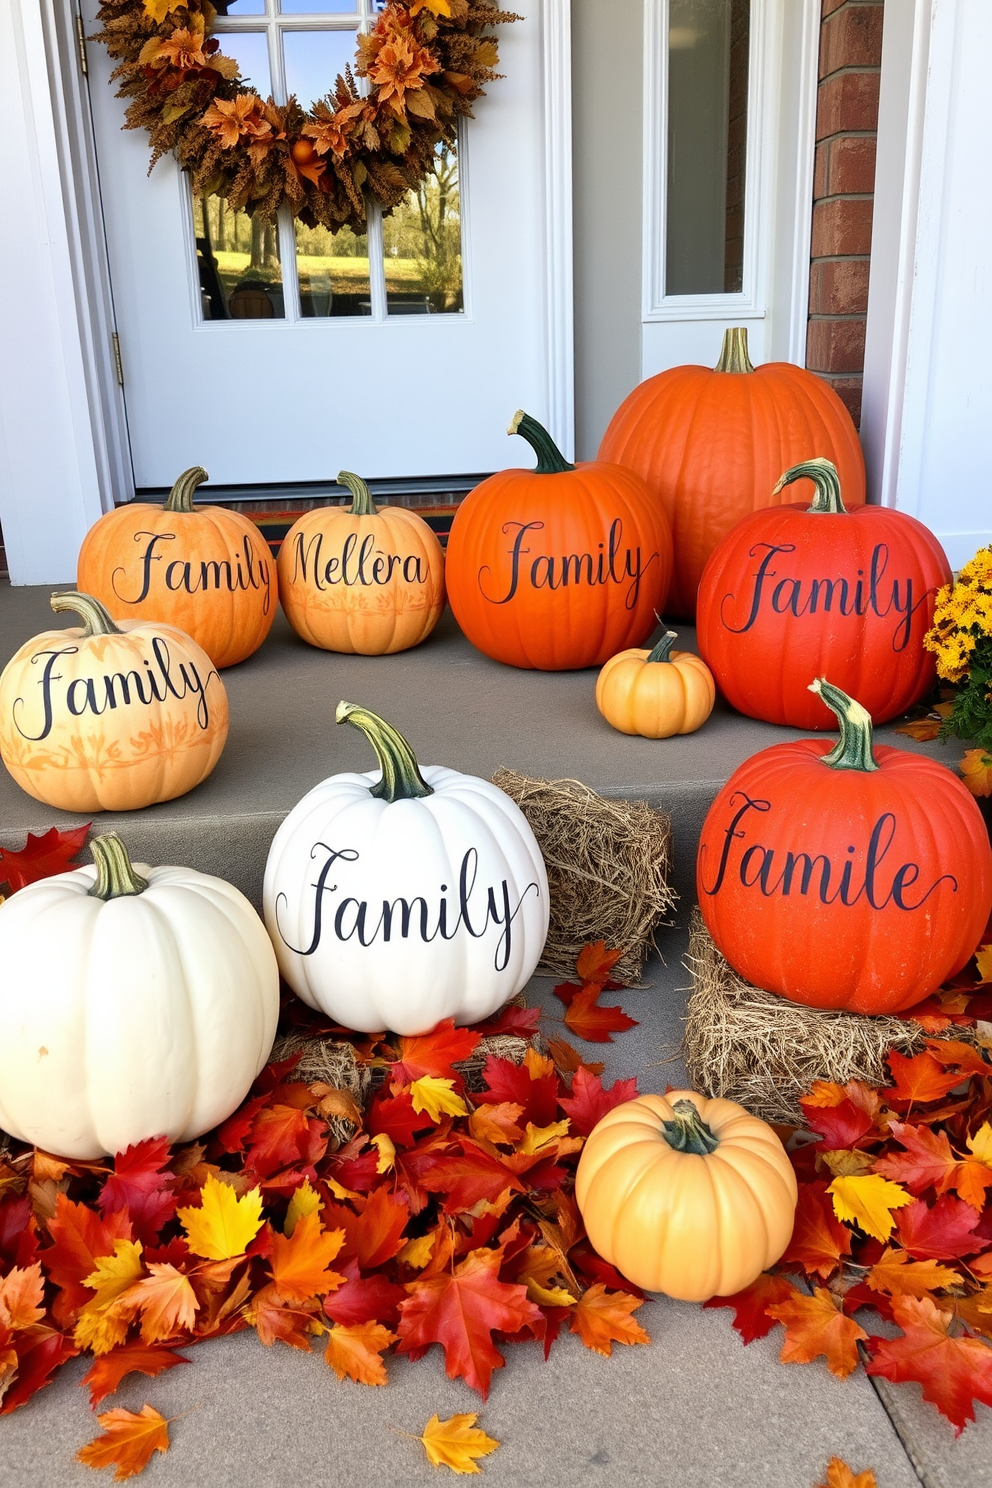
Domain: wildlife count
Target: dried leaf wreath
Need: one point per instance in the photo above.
(424, 64)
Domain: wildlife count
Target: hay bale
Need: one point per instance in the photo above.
(608, 865)
(765, 1052)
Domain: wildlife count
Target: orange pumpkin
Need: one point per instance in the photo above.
(686, 1195)
(206, 570)
(108, 717)
(361, 579)
(656, 693)
(557, 567)
(711, 446)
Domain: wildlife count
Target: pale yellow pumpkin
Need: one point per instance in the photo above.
(656, 693)
(686, 1195)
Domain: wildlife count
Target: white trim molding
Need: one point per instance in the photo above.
(557, 36)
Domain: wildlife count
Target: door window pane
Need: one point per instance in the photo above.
(313, 61)
(708, 44)
(319, 7)
(334, 272)
(250, 49)
(239, 7)
(422, 245)
(238, 262)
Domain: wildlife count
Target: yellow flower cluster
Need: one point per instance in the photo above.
(962, 617)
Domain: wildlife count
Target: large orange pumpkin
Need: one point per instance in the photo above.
(795, 590)
(845, 876)
(561, 566)
(363, 578)
(108, 717)
(204, 569)
(710, 446)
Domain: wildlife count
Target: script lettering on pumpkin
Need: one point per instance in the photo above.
(249, 571)
(572, 569)
(773, 872)
(357, 563)
(112, 690)
(351, 918)
(798, 597)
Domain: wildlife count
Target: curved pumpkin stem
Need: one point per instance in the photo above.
(823, 474)
(115, 875)
(688, 1132)
(96, 620)
(853, 749)
(663, 650)
(733, 353)
(401, 777)
(180, 498)
(362, 504)
(550, 460)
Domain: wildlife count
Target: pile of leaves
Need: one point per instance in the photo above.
(894, 1216)
(422, 65)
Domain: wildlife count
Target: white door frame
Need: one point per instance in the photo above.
(64, 449)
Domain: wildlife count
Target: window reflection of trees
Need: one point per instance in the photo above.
(422, 239)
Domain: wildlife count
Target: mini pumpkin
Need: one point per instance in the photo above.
(204, 569)
(561, 566)
(362, 579)
(136, 1002)
(686, 1195)
(401, 897)
(108, 717)
(845, 876)
(656, 693)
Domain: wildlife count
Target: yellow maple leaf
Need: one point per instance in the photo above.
(157, 10)
(895, 1273)
(387, 1152)
(431, 1096)
(456, 1443)
(536, 1137)
(305, 1200)
(983, 960)
(224, 1226)
(103, 1324)
(417, 1252)
(547, 1296)
(980, 1145)
(436, 7)
(868, 1202)
(976, 771)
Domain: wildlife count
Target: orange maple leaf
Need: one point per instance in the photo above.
(896, 1274)
(166, 1301)
(839, 1475)
(354, 1352)
(299, 1261)
(595, 962)
(128, 1441)
(498, 1124)
(22, 1298)
(602, 1318)
(976, 771)
(920, 1078)
(593, 1023)
(954, 1372)
(816, 1325)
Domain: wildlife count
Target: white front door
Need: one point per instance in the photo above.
(285, 354)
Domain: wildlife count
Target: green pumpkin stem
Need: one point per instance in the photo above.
(362, 504)
(853, 749)
(401, 777)
(823, 474)
(96, 620)
(181, 496)
(688, 1132)
(550, 460)
(733, 353)
(663, 650)
(115, 875)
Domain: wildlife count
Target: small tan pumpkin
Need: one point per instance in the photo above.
(686, 1195)
(656, 693)
(108, 717)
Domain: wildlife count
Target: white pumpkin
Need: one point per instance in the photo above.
(398, 898)
(135, 1002)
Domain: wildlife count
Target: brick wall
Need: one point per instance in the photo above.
(843, 188)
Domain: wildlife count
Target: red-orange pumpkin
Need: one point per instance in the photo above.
(845, 877)
(711, 445)
(204, 569)
(557, 567)
(795, 590)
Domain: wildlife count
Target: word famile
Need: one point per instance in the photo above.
(575, 569)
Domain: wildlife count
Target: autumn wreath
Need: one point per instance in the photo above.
(423, 63)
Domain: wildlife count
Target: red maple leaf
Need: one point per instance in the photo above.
(515, 1084)
(920, 1079)
(393, 1116)
(954, 1372)
(80, 1236)
(460, 1310)
(18, 1232)
(434, 1053)
(130, 1358)
(378, 1233)
(45, 1351)
(590, 1101)
(839, 1126)
(511, 1019)
(819, 1240)
(41, 857)
(943, 1231)
(566, 992)
(364, 1299)
(928, 1161)
(468, 1178)
(139, 1185)
(595, 1024)
(280, 1137)
(750, 1306)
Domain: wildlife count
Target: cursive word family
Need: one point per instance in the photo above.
(158, 681)
(864, 594)
(612, 564)
(471, 908)
(357, 563)
(865, 876)
(247, 571)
